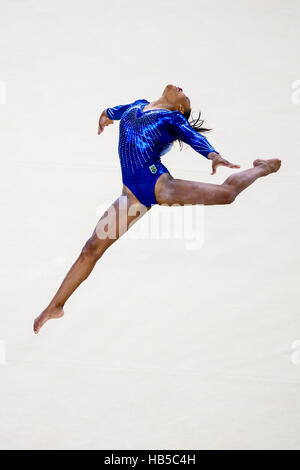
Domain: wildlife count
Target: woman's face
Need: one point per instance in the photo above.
(175, 97)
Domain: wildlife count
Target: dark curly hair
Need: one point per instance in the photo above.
(196, 123)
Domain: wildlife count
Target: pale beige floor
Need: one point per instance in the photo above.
(163, 347)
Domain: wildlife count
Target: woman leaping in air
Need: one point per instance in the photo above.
(147, 131)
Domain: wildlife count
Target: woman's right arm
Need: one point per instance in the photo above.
(111, 114)
(104, 121)
(114, 114)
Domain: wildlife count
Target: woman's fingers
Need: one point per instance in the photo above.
(222, 162)
(100, 127)
(229, 164)
(103, 122)
(214, 167)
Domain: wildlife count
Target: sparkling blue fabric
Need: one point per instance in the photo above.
(144, 138)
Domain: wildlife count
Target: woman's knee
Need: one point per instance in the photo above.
(93, 248)
(228, 195)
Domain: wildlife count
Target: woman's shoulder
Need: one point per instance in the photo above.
(176, 118)
(142, 101)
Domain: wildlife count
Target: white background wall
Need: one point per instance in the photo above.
(162, 347)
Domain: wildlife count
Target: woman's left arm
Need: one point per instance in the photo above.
(198, 142)
(217, 160)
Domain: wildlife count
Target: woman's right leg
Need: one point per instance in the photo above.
(171, 191)
(119, 217)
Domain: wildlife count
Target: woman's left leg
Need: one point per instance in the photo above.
(123, 213)
(170, 191)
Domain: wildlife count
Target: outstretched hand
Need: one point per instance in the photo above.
(217, 160)
(103, 122)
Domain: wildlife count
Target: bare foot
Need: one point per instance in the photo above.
(47, 314)
(269, 166)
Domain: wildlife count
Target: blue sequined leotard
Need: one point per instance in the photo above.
(144, 138)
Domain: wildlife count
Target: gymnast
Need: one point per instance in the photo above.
(147, 131)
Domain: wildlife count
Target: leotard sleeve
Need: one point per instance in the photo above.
(182, 128)
(117, 112)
